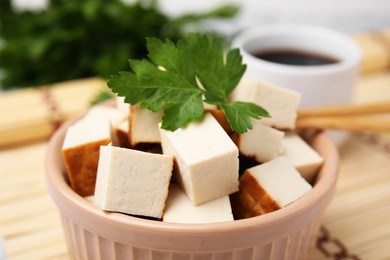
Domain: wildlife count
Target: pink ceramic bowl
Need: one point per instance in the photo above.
(289, 233)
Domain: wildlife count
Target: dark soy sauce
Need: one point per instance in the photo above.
(295, 57)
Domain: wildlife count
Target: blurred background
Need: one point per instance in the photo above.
(43, 41)
(344, 15)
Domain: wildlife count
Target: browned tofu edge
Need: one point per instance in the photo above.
(81, 164)
(251, 200)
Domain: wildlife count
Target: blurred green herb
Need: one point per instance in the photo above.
(76, 39)
(101, 97)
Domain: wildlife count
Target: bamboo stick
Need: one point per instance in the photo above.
(347, 110)
(25, 131)
(31, 224)
(53, 250)
(11, 213)
(356, 118)
(14, 100)
(350, 124)
(33, 241)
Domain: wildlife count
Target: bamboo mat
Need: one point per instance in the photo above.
(33, 114)
(356, 223)
(355, 226)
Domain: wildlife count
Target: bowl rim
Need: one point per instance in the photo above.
(325, 184)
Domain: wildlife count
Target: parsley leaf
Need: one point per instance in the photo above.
(166, 84)
(238, 114)
(177, 77)
(217, 76)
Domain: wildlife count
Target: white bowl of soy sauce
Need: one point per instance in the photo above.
(320, 63)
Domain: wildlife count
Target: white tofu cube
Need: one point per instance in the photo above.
(122, 105)
(144, 126)
(94, 126)
(179, 209)
(132, 182)
(263, 143)
(304, 158)
(81, 147)
(268, 187)
(206, 157)
(281, 103)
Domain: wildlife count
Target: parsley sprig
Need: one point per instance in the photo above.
(179, 77)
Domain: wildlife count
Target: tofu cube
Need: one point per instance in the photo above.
(102, 114)
(122, 105)
(144, 126)
(220, 116)
(132, 182)
(81, 146)
(268, 187)
(281, 103)
(179, 209)
(120, 132)
(304, 158)
(263, 143)
(206, 157)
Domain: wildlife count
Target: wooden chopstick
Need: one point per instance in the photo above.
(359, 118)
(350, 124)
(347, 110)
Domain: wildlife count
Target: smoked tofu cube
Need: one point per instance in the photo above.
(120, 132)
(304, 158)
(81, 147)
(179, 209)
(206, 157)
(144, 126)
(263, 143)
(132, 182)
(268, 187)
(281, 103)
